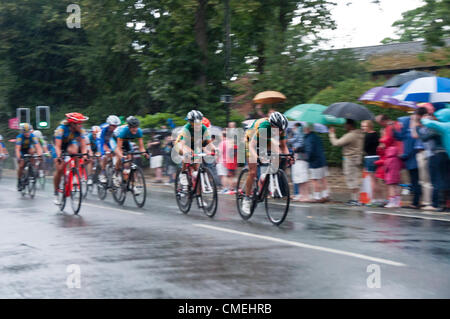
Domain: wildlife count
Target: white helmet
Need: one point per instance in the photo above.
(1, 138)
(279, 120)
(37, 134)
(194, 116)
(113, 120)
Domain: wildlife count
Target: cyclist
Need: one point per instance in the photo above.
(187, 145)
(93, 146)
(43, 143)
(260, 133)
(69, 138)
(123, 135)
(107, 142)
(26, 143)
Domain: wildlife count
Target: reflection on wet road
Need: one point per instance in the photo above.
(321, 251)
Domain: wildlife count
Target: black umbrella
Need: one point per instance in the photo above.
(349, 110)
(402, 78)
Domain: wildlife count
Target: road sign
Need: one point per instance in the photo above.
(13, 123)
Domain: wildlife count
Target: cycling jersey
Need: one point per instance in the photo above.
(187, 135)
(65, 134)
(94, 143)
(26, 143)
(256, 131)
(105, 138)
(123, 132)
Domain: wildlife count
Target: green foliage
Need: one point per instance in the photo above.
(159, 119)
(348, 91)
(429, 22)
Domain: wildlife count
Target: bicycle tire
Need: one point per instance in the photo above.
(84, 182)
(182, 194)
(102, 190)
(24, 181)
(31, 182)
(240, 195)
(211, 209)
(119, 192)
(278, 220)
(76, 189)
(136, 173)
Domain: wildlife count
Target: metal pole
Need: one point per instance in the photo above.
(227, 50)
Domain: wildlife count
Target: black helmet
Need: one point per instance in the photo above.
(132, 121)
(279, 120)
(194, 116)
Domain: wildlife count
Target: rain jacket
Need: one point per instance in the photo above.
(442, 126)
(392, 165)
(314, 153)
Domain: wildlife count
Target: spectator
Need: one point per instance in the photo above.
(442, 126)
(393, 166)
(371, 142)
(169, 165)
(411, 146)
(352, 149)
(156, 159)
(387, 139)
(318, 170)
(437, 158)
(221, 168)
(300, 167)
(231, 163)
(212, 165)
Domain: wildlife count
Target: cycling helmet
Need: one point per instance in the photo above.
(132, 121)
(194, 116)
(37, 134)
(113, 120)
(96, 129)
(1, 138)
(279, 120)
(206, 122)
(25, 127)
(76, 118)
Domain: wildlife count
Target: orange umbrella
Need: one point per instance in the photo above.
(269, 97)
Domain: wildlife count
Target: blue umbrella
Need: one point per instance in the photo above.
(431, 89)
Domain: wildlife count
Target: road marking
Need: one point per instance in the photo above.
(298, 244)
(407, 215)
(112, 208)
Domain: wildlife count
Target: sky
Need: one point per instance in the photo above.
(363, 23)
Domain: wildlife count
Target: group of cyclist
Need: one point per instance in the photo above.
(113, 139)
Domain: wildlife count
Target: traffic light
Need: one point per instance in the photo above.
(42, 117)
(23, 115)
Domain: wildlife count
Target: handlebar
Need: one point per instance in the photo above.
(74, 155)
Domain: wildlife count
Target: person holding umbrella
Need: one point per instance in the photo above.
(352, 149)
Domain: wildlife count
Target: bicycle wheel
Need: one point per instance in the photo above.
(101, 190)
(119, 188)
(84, 184)
(31, 182)
(183, 193)
(24, 181)
(76, 194)
(138, 187)
(277, 197)
(208, 192)
(62, 193)
(240, 194)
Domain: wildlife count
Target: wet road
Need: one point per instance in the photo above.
(321, 251)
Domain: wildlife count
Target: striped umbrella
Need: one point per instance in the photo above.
(431, 89)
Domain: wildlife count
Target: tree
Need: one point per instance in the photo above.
(429, 22)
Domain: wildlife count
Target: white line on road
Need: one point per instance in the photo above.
(410, 216)
(298, 244)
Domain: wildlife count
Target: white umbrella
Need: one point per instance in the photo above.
(431, 89)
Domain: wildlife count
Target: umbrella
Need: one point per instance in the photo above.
(432, 89)
(350, 111)
(269, 97)
(319, 128)
(402, 78)
(382, 97)
(312, 113)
